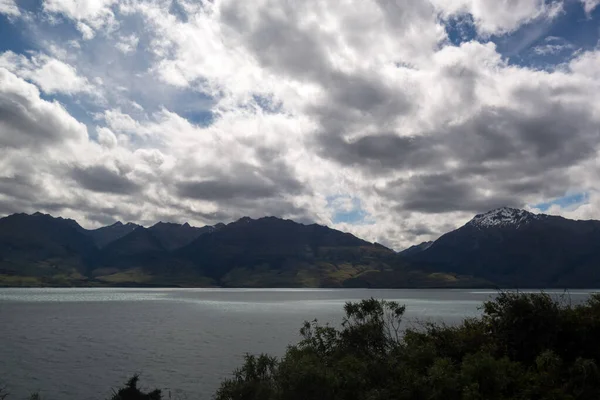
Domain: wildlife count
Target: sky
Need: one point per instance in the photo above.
(394, 120)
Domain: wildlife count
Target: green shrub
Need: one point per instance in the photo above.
(524, 346)
(131, 392)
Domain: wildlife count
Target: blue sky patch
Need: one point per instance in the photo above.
(571, 31)
(461, 28)
(569, 201)
(347, 209)
(530, 45)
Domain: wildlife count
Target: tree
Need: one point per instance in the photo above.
(525, 346)
(131, 392)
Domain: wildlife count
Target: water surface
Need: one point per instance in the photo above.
(80, 343)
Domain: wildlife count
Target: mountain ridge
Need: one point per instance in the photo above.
(505, 247)
(513, 247)
(248, 252)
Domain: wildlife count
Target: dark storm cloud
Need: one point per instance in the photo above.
(505, 152)
(279, 43)
(366, 94)
(8, 207)
(244, 182)
(23, 123)
(551, 136)
(219, 189)
(379, 152)
(443, 192)
(268, 187)
(420, 230)
(104, 180)
(19, 187)
(555, 136)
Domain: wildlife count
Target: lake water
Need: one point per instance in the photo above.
(80, 343)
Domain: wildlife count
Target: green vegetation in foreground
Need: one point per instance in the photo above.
(524, 346)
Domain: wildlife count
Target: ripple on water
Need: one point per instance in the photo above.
(80, 343)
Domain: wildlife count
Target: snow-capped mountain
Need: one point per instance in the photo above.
(513, 247)
(505, 216)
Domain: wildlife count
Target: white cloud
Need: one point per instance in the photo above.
(31, 122)
(590, 5)
(128, 44)
(50, 74)
(89, 15)
(10, 8)
(86, 31)
(106, 137)
(587, 64)
(553, 45)
(502, 16)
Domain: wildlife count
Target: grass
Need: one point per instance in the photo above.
(135, 275)
(22, 281)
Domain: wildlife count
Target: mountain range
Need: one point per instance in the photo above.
(504, 247)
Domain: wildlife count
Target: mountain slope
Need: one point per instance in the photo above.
(41, 246)
(173, 236)
(270, 251)
(417, 248)
(515, 248)
(504, 247)
(107, 234)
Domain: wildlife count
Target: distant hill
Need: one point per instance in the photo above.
(275, 252)
(417, 248)
(516, 248)
(39, 247)
(173, 236)
(107, 234)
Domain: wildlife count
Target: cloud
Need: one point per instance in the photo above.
(26, 120)
(128, 44)
(586, 64)
(10, 8)
(357, 114)
(88, 15)
(553, 45)
(106, 137)
(590, 5)
(243, 182)
(99, 178)
(500, 17)
(51, 75)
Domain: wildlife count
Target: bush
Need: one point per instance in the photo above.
(525, 346)
(131, 392)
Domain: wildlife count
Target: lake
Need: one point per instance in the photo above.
(80, 343)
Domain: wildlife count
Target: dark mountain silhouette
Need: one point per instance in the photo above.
(140, 241)
(42, 246)
(505, 247)
(173, 236)
(417, 248)
(515, 248)
(140, 250)
(272, 251)
(107, 234)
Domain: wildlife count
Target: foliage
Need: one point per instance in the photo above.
(131, 392)
(525, 346)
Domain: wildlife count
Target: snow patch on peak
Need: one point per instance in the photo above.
(504, 216)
